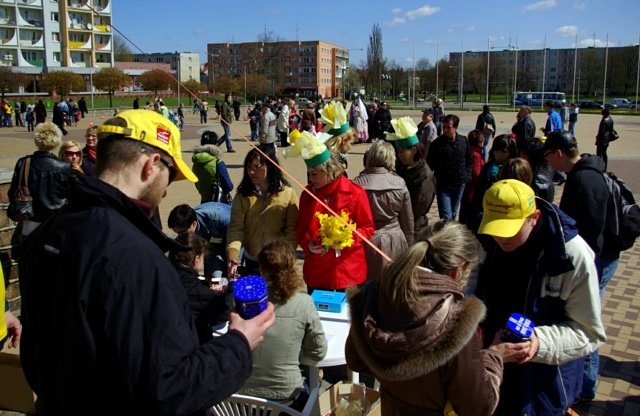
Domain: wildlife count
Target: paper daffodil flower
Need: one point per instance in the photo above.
(405, 132)
(335, 117)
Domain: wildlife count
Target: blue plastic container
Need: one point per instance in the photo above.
(519, 328)
(328, 301)
(251, 296)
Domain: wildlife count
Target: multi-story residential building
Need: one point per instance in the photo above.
(577, 71)
(186, 65)
(38, 36)
(303, 67)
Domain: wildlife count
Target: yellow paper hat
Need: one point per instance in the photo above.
(153, 129)
(405, 132)
(310, 147)
(335, 117)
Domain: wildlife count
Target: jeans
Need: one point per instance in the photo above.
(572, 128)
(449, 201)
(227, 135)
(485, 146)
(606, 269)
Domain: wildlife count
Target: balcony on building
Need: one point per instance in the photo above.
(31, 3)
(103, 6)
(7, 16)
(80, 59)
(28, 17)
(7, 57)
(85, 43)
(103, 43)
(31, 58)
(77, 4)
(8, 37)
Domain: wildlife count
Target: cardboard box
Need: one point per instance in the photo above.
(328, 401)
(16, 393)
(329, 301)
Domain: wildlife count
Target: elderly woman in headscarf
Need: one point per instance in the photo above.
(334, 255)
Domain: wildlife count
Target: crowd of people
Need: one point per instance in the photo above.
(429, 302)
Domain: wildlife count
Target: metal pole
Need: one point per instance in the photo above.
(486, 98)
(437, 65)
(90, 82)
(575, 66)
(245, 83)
(544, 71)
(462, 75)
(638, 75)
(178, 73)
(515, 75)
(606, 59)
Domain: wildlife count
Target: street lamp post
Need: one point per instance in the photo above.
(486, 98)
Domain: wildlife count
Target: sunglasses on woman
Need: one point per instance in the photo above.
(72, 153)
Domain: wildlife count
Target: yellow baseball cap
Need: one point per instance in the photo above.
(153, 129)
(507, 204)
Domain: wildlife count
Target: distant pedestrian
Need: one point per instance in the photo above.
(525, 127)
(573, 118)
(82, 106)
(41, 112)
(605, 136)
(486, 123)
(136, 104)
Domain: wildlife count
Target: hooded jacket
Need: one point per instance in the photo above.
(552, 280)
(421, 184)
(107, 324)
(209, 169)
(426, 355)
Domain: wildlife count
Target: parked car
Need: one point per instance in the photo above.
(621, 102)
(302, 102)
(594, 105)
(634, 105)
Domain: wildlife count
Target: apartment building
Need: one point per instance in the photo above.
(303, 67)
(567, 70)
(37, 36)
(185, 65)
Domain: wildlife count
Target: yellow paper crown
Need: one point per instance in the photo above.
(335, 117)
(310, 147)
(405, 132)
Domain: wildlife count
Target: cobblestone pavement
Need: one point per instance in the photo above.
(619, 386)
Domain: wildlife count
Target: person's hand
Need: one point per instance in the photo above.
(532, 349)
(511, 352)
(315, 247)
(232, 269)
(15, 329)
(253, 329)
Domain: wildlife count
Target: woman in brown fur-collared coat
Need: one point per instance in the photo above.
(417, 334)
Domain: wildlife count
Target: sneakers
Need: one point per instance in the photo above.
(231, 151)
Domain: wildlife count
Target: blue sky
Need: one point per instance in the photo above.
(409, 28)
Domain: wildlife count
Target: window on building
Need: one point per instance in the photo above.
(55, 17)
(55, 36)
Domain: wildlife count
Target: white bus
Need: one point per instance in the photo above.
(535, 98)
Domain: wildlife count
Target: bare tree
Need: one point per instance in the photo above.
(375, 60)
(121, 50)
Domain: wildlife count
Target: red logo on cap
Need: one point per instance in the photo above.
(163, 135)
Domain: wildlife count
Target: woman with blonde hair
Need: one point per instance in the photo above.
(414, 330)
(71, 152)
(276, 373)
(49, 178)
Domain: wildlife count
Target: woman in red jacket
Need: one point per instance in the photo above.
(325, 266)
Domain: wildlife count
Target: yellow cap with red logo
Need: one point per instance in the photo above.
(153, 129)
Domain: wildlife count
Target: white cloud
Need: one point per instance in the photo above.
(198, 32)
(470, 28)
(580, 5)
(403, 40)
(540, 5)
(566, 31)
(423, 11)
(415, 14)
(452, 28)
(396, 21)
(598, 43)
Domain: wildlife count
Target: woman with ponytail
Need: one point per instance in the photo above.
(414, 330)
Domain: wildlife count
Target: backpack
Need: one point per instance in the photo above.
(622, 224)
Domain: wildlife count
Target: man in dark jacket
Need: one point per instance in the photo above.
(605, 136)
(486, 123)
(226, 118)
(450, 159)
(525, 127)
(104, 286)
(585, 199)
(382, 120)
(537, 265)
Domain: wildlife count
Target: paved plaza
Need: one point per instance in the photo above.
(619, 386)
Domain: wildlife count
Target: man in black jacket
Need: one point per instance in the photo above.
(450, 159)
(585, 198)
(107, 325)
(605, 136)
(525, 127)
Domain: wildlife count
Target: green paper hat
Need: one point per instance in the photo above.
(405, 132)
